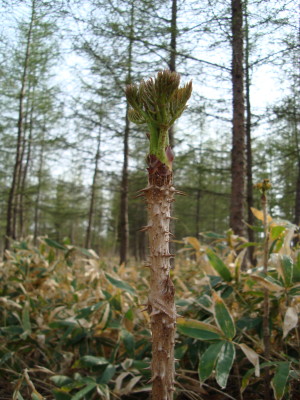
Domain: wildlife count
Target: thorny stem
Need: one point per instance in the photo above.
(158, 103)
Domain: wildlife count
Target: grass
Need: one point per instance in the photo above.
(72, 325)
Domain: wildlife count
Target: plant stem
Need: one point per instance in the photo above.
(159, 195)
(266, 305)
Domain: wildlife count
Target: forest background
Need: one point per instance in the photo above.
(76, 160)
(72, 168)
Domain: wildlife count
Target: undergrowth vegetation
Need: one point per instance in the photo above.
(72, 324)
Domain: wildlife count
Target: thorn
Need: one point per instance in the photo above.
(153, 378)
(145, 228)
(169, 233)
(139, 195)
(155, 312)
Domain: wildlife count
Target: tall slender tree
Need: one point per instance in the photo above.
(124, 224)
(12, 197)
(250, 217)
(238, 128)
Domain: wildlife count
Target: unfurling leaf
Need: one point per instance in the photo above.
(136, 117)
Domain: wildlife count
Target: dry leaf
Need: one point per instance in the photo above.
(259, 215)
(252, 357)
(290, 320)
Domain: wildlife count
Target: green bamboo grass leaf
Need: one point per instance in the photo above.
(219, 266)
(296, 272)
(26, 322)
(287, 268)
(208, 360)
(223, 317)
(276, 231)
(90, 361)
(61, 395)
(198, 330)
(61, 380)
(269, 283)
(80, 395)
(107, 375)
(129, 343)
(224, 363)
(120, 284)
(36, 396)
(56, 245)
(279, 381)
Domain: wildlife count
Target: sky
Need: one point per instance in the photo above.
(268, 84)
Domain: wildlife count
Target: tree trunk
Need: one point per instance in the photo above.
(159, 196)
(11, 205)
(296, 134)
(124, 226)
(39, 186)
(238, 131)
(88, 237)
(297, 199)
(172, 61)
(250, 218)
(197, 222)
(25, 170)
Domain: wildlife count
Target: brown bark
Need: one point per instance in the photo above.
(12, 197)
(296, 134)
(28, 144)
(197, 222)
(250, 216)
(124, 225)
(38, 196)
(238, 130)
(297, 199)
(88, 237)
(161, 306)
(172, 61)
